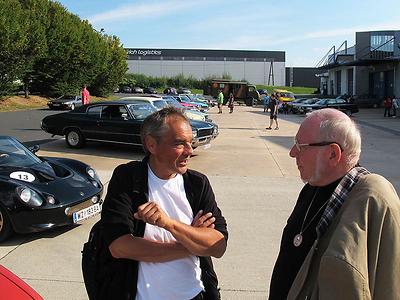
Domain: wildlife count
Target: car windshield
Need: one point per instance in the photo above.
(321, 102)
(310, 101)
(185, 98)
(160, 104)
(141, 110)
(173, 102)
(13, 153)
(68, 98)
(288, 95)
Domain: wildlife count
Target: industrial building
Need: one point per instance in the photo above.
(370, 69)
(257, 67)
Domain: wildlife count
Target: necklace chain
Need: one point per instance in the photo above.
(298, 239)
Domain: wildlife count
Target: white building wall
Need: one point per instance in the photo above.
(254, 72)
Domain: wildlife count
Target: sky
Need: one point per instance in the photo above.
(304, 29)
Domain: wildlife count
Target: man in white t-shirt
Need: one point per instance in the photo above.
(178, 225)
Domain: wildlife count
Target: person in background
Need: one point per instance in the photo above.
(220, 101)
(387, 104)
(231, 102)
(273, 112)
(342, 239)
(266, 102)
(85, 95)
(395, 104)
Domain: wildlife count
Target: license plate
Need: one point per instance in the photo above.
(56, 104)
(86, 213)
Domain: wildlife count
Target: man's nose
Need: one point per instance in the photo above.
(293, 151)
(189, 149)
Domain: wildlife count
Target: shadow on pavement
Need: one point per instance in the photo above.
(19, 238)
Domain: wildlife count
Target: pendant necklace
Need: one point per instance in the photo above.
(298, 238)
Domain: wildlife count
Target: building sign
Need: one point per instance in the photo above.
(143, 52)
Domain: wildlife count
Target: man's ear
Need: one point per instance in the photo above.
(150, 144)
(335, 154)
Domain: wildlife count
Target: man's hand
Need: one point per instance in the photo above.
(152, 213)
(206, 220)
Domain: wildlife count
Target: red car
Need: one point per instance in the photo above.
(13, 287)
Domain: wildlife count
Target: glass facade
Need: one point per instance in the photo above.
(382, 43)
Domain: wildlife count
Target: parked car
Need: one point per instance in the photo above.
(191, 114)
(340, 104)
(302, 108)
(13, 287)
(284, 95)
(183, 90)
(170, 91)
(185, 99)
(158, 103)
(117, 121)
(126, 89)
(293, 106)
(150, 90)
(33, 190)
(262, 92)
(137, 90)
(65, 102)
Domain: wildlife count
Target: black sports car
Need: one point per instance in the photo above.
(38, 193)
(340, 104)
(114, 121)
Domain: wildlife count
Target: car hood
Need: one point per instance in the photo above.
(49, 178)
(201, 124)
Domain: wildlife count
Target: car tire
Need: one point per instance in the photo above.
(74, 138)
(5, 225)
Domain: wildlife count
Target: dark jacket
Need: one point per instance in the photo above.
(128, 189)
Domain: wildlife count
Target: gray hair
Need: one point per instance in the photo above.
(341, 130)
(156, 125)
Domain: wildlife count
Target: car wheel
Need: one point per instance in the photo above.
(5, 225)
(74, 138)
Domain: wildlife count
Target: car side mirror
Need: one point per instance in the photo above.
(34, 148)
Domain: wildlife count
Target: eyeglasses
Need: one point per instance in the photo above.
(320, 144)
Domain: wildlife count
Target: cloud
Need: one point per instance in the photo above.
(142, 11)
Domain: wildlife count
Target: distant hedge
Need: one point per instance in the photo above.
(177, 81)
(53, 52)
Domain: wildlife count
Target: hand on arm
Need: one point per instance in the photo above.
(201, 241)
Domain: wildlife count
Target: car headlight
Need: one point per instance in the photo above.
(194, 132)
(29, 196)
(215, 131)
(91, 173)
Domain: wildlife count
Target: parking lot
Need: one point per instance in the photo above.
(256, 184)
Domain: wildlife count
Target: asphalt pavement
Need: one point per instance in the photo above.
(256, 185)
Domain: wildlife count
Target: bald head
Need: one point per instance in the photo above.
(332, 125)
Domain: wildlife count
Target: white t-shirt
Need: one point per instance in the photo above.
(177, 279)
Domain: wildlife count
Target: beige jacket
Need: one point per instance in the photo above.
(358, 257)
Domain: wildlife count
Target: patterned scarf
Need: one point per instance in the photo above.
(338, 197)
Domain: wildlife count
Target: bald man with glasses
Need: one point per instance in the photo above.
(342, 239)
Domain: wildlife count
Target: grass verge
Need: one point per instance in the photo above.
(14, 103)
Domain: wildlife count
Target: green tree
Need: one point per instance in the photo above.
(13, 41)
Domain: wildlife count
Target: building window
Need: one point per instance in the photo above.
(382, 43)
